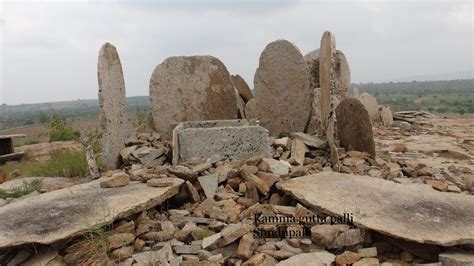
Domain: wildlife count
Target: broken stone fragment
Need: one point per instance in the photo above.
(183, 172)
(157, 236)
(312, 258)
(367, 252)
(280, 168)
(160, 182)
(347, 257)
(461, 258)
(298, 150)
(247, 246)
(117, 180)
(209, 184)
(187, 249)
(367, 262)
(122, 253)
(310, 140)
(118, 240)
(192, 192)
(260, 259)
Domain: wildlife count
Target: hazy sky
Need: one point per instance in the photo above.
(49, 49)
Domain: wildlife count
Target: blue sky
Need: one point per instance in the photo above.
(49, 49)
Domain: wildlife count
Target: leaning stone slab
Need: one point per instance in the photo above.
(64, 213)
(354, 129)
(410, 212)
(235, 139)
(242, 87)
(190, 88)
(282, 89)
(114, 121)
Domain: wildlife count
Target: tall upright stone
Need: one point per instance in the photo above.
(282, 100)
(190, 88)
(386, 116)
(342, 80)
(327, 81)
(114, 121)
(354, 129)
(370, 102)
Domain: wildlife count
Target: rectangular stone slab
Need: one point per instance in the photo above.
(63, 213)
(234, 139)
(411, 212)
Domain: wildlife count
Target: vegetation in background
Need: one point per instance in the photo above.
(63, 164)
(19, 191)
(27, 142)
(453, 96)
(60, 130)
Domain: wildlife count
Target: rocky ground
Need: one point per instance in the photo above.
(218, 216)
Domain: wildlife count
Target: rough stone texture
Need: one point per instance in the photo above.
(354, 129)
(209, 184)
(234, 139)
(327, 80)
(313, 258)
(386, 116)
(59, 214)
(189, 89)
(343, 76)
(354, 92)
(242, 87)
(411, 212)
(456, 258)
(282, 89)
(371, 104)
(114, 121)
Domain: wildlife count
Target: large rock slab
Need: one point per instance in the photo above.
(234, 139)
(313, 258)
(328, 100)
(370, 102)
(282, 100)
(190, 88)
(114, 121)
(411, 212)
(354, 129)
(60, 214)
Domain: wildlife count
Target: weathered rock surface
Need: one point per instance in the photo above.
(457, 258)
(56, 215)
(189, 88)
(113, 114)
(409, 212)
(371, 104)
(282, 89)
(354, 129)
(242, 87)
(234, 139)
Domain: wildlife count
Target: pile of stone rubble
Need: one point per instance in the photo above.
(297, 181)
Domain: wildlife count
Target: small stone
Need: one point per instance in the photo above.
(183, 172)
(280, 168)
(312, 258)
(406, 256)
(210, 241)
(209, 184)
(454, 188)
(282, 142)
(192, 192)
(126, 227)
(200, 233)
(160, 182)
(368, 252)
(184, 233)
(187, 249)
(117, 180)
(201, 167)
(139, 245)
(122, 253)
(347, 257)
(119, 240)
(367, 262)
(437, 185)
(298, 150)
(247, 246)
(157, 236)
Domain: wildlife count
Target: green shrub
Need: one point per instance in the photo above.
(25, 189)
(60, 130)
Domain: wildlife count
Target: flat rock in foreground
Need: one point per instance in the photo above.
(56, 215)
(411, 212)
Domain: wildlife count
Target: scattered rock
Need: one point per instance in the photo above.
(117, 180)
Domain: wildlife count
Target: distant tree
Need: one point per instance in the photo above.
(60, 130)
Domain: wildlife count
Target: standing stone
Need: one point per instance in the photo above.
(327, 81)
(354, 129)
(343, 76)
(242, 87)
(386, 116)
(189, 88)
(114, 121)
(282, 100)
(371, 104)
